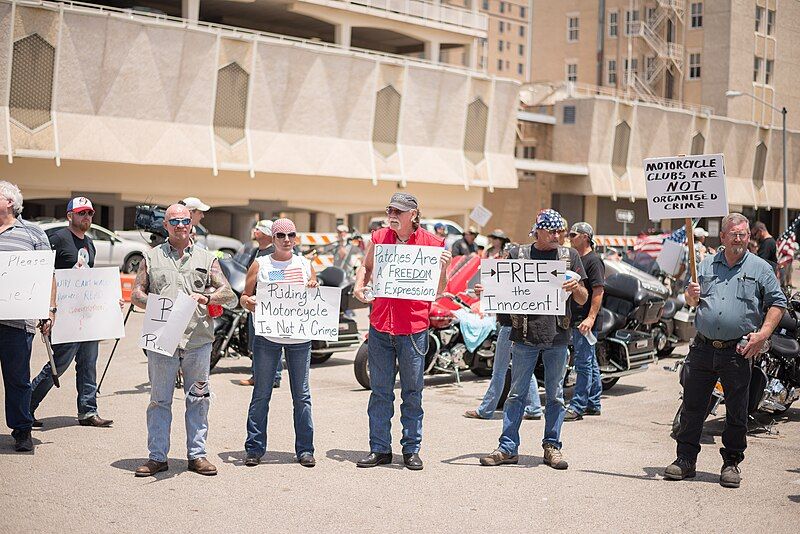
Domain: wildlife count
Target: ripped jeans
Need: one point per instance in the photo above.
(162, 371)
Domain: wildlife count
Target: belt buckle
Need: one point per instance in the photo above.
(716, 344)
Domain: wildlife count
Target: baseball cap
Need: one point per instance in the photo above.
(582, 228)
(342, 228)
(499, 234)
(403, 202)
(264, 226)
(78, 204)
(438, 225)
(194, 203)
(548, 219)
(471, 230)
(699, 232)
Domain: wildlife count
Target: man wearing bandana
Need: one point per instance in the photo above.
(545, 337)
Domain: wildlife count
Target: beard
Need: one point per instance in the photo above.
(737, 249)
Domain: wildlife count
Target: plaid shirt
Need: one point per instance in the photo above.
(19, 237)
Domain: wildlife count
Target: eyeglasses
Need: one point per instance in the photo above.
(573, 235)
(290, 235)
(84, 213)
(176, 222)
(739, 235)
(394, 211)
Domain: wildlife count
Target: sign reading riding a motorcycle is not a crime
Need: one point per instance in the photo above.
(523, 287)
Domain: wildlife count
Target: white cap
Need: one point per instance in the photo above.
(699, 232)
(264, 226)
(194, 203)
(342, 228)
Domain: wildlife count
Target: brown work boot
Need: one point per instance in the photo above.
(498, 457)
(247, 382)
(472, 414)
(150, 468)
(203, 467)
(97, 421)
(553, 457)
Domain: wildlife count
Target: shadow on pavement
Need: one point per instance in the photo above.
(53, 423)
(622, 389)
(238, 369)
(524, 460)
(130, 464)
(656, 474)
(144, 387)
(333, 362)
(7, 445)
(343, 455)
(795, 498)
(237, 458)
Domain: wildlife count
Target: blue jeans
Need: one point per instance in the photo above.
(162, 371)
(409, 353)
(85, 356)
(251, 330)
(502, 359)
(555, 365)
(266, 358)
(588, 386)
(15, 361)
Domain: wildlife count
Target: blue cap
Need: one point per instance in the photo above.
(438, 225)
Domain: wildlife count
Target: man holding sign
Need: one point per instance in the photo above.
(74, 250)
(398, 334)
(17, 334)
(173, 268)
(540, 333)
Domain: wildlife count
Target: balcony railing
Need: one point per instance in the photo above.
(423, 10)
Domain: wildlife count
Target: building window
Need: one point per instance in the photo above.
(522, 12)
(230, 109)
(521, 50)
(694, 66)
(757, 68)
(519, 68)
(650, 15)
(32, 70)
(501, 26)
(759, 17)
(572, 29)
(572, 72)
(697, 14)
(613, 23)
(499, 64)
(507, 64)
(649, 66)
(522, 31)
(612, 72)
(502, 7)
(508, 27)
(569, 115)
(770, 21)
(633, 67)
(759, 164)
(500, 46)
(529, 152)
(486, 5)
(631, 21)
(768, 71)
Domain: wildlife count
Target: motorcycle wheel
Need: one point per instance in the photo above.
(482, 372)
(320, 358)
(677, 419)
(216, 350)
(361, 366)
(609, 383)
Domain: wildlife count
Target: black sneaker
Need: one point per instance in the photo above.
(592, 411)
(679, 469)
(22, 440)
(412, 461)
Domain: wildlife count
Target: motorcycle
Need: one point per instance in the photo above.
(453, 346)
(231, 331)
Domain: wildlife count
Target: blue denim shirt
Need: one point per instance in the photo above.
(735, 299)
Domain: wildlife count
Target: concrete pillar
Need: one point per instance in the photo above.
(190, 9)
(590, 210)
(342, 34)
(432, 51)
(471, 54)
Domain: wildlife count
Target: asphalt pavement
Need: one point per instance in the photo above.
(81, 478)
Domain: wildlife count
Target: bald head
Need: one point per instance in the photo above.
(179, 234)
(177, 211)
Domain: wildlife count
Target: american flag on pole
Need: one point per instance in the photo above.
(293, 275)
(787, 244)
(652, 244)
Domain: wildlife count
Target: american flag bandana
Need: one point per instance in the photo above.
(293, 275)
(548, 219)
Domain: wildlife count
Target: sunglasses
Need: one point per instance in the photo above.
(176, 222)
(290, 235)
(394, 211)
(84, 213)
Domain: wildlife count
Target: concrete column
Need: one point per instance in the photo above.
(590, 210)
(471, 54)
(432, 51)
(342, 34)
(190, 9)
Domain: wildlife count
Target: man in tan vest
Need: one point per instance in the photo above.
(169, 269)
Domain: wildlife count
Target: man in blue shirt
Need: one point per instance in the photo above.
(737, 297)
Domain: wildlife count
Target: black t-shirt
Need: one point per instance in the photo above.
(595, 277)
(70, 249)
(462, 248)
(768, 250)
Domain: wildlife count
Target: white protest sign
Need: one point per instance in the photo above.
(523, 287)
(88, 305)
(297, 312)
(686, 186)
(407, 272)
(26, 279)
(671, 257)
(165, 321)
(480, 215)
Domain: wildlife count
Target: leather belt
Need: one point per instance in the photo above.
(717, 343)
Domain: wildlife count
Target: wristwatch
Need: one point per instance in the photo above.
(53, 309)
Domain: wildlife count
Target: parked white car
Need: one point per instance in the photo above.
(112, 250)
(224, 244)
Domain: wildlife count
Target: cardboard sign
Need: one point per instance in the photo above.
(88, 305)
(480, 215)
(165, 321)
(407, 272)
(686, 186)
(26, 279)
(523, 287)
(671, 257)
(297, 312)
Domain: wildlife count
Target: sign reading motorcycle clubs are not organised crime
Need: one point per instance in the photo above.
(26, 279)
(408, 272)
(293, 311)
(88, 305)
(165, 321)
(523, 287)
(686, 186)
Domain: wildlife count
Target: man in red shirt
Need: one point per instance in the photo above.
(398, 333)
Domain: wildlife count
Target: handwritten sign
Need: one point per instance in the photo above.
(480, 215)
(165, 321)
(297, 312)
(88, 305)
(26, 280)
(523, 287)
(686, 186)
(407, 272)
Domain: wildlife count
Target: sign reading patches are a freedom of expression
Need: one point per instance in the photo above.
(686, 186)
